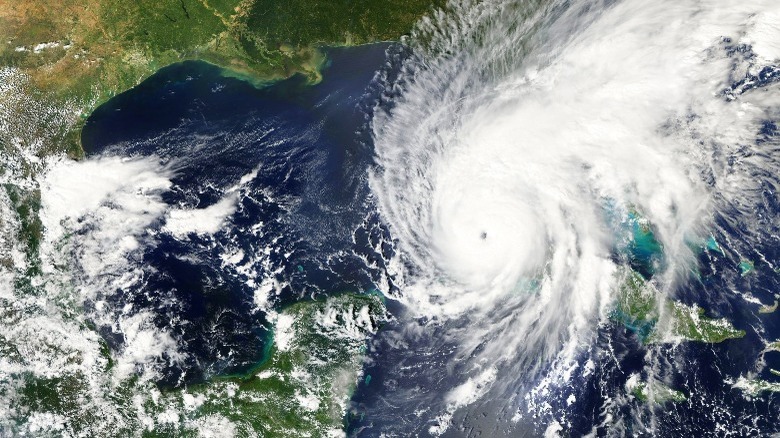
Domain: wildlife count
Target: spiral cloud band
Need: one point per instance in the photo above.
(521, 127)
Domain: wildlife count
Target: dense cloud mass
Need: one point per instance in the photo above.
(530, 218)
(518, 130)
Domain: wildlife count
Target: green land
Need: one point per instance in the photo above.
(651, 315)
(755, 387)
(61, 60)
(653, 391)
(302, 390)
(77, 54)
(657, 319)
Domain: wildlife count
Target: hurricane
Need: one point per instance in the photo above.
(525, 218)
(519, 133)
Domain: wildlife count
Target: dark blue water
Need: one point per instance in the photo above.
(304, 220)
(410, 380)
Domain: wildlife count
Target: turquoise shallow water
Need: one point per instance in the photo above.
(306, 219)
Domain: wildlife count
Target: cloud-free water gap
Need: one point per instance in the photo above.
(625, 282)
(264, 193)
